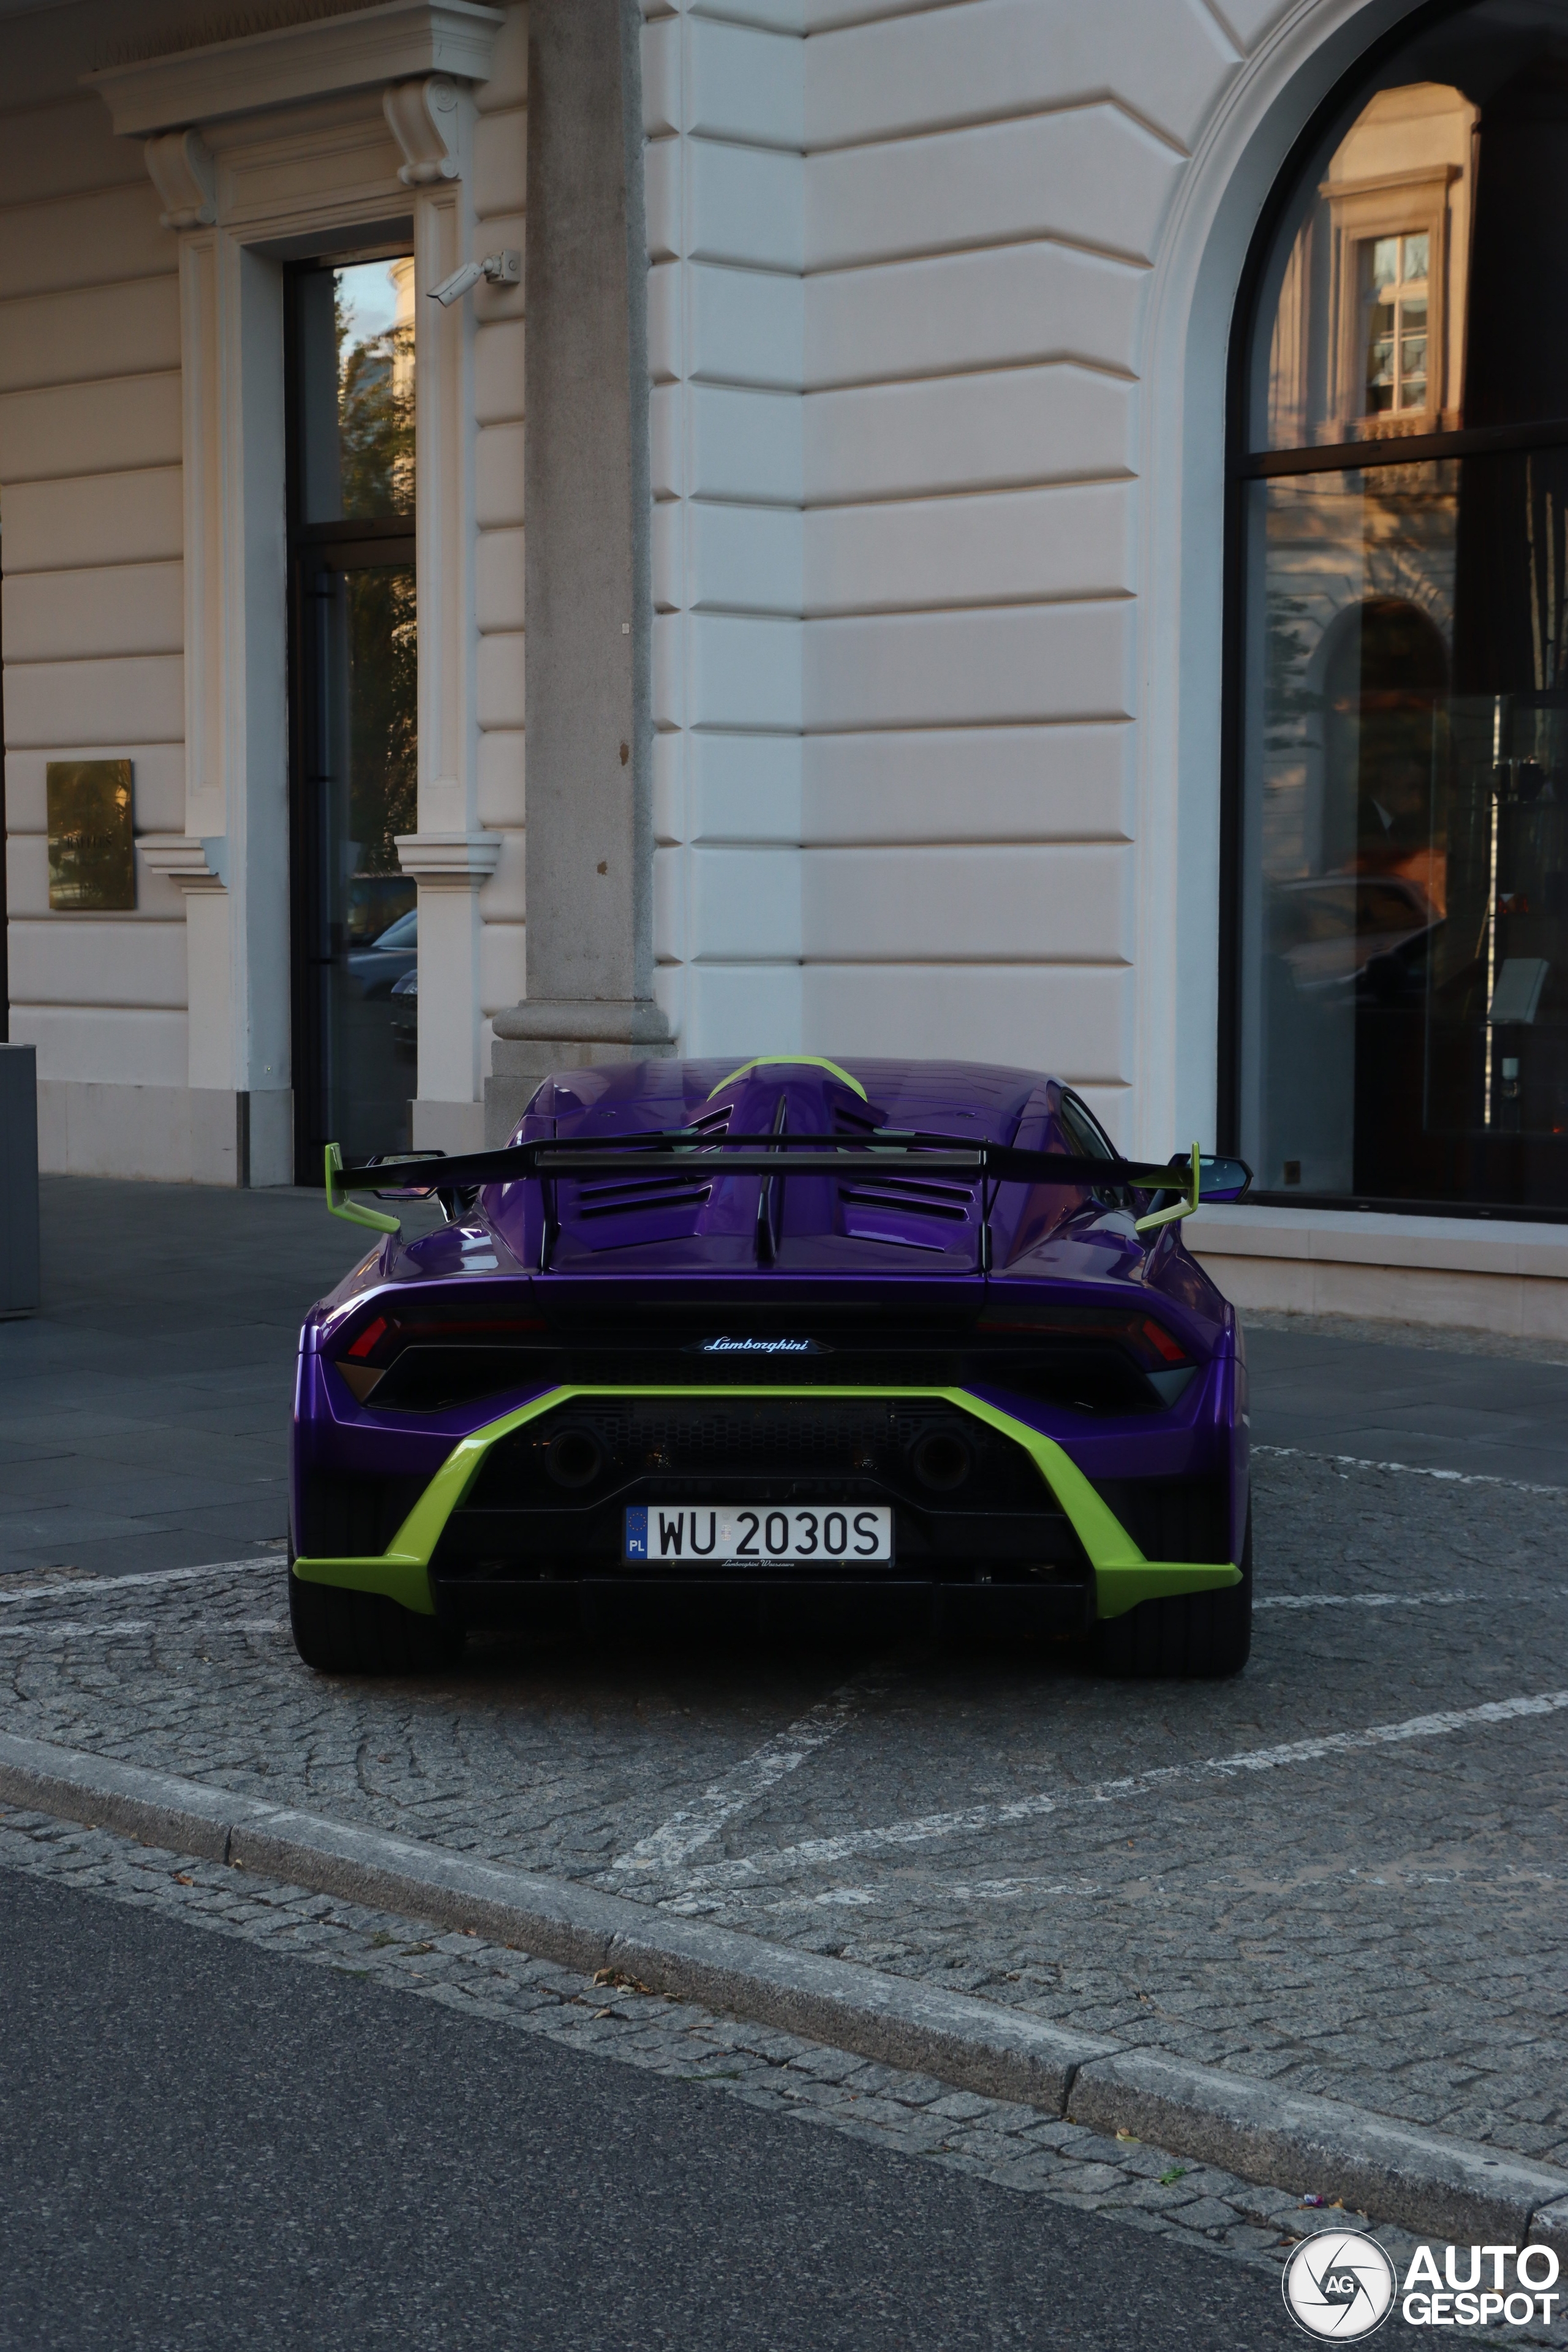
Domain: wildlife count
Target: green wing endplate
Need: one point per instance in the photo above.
(339, 1205)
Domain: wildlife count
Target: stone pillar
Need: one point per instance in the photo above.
(587, 597)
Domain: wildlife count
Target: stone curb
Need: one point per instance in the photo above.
(1442, 2187)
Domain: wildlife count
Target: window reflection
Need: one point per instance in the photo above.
(1368, 315)
(1404, 916)
(1406, 936)
(1397, 327)
(356, 699)
(355, 330)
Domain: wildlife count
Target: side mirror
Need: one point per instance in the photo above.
(1199, 1180)
(1218, 1180)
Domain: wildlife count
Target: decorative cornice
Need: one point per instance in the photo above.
(193, 866)
(1418, 175)
(453, 861)
(181, 172)
(426, 119)
(394, 42)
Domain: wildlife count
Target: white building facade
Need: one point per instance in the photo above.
(871, 389)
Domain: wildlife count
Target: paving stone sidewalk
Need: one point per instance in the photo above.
(1368, 1904)
(1379, 1921)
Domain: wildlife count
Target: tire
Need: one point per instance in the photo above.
(1192, 1636)
(340, 1633)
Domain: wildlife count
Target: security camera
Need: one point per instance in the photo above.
(501, 269)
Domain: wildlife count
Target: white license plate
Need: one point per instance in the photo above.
(709, 1535)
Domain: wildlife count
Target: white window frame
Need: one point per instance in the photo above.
(266, 149)
(1404, 203)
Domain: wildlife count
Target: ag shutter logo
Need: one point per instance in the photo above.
(1339, 2286)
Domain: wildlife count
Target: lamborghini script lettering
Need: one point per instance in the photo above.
(760, 1348)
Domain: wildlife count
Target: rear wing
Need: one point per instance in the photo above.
(1190, 1177)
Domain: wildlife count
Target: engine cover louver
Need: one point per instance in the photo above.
(878, 1207)
(677, 1199)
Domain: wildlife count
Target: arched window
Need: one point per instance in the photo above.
(1399, 973)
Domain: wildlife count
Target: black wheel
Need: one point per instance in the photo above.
(1192, 1635)
(342, 1633)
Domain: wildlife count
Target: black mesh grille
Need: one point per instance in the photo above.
(769, 1439)
(1172, 1518)
(351, 1519)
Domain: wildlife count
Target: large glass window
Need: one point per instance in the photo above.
(1401, 1031)
(356, 706)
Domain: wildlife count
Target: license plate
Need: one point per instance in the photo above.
(713, 1535)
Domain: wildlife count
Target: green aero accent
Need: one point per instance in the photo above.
(339, 1205)
(394, 1573)
(1181, 1208)
(1122, 1577)
(787, 1061)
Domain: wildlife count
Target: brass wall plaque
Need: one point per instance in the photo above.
(92, 858)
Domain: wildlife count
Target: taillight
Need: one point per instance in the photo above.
(1160, 1340)
(384, 1337)
(1142, 1336)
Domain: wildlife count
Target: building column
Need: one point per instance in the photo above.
(450, 867)
(588, 599)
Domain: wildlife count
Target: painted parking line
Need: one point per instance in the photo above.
(1407, 1469)
(54, 1629)
(1388, 1600)
(84, 1588)
(976, 1819)
(687, 1830)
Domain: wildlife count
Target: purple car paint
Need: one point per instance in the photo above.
(757, 1346)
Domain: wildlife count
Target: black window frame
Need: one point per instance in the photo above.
(1243, 466)
(335, 545)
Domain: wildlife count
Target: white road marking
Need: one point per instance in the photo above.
(984, 1890)
(816, 1853)
(1509, 1879)
(1381, 1599)
(677, 1839)
(1408, 1469)
(89, 1588)
(54, 1629)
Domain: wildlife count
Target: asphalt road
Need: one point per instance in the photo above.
(208, 2145)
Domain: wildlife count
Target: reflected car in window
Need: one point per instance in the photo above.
(1331, 927)
(405, 1008)
(374, 971)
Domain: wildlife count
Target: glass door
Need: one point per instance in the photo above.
(355, 705)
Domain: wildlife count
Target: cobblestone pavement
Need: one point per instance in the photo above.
(1342, 1871)
(1143, 2186)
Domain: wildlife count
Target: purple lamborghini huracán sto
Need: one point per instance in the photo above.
(903, 1338)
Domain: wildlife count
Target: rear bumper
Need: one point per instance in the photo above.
(607, 1604)
(1115, 1575)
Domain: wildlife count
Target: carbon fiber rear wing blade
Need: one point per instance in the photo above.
(417, 1173)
